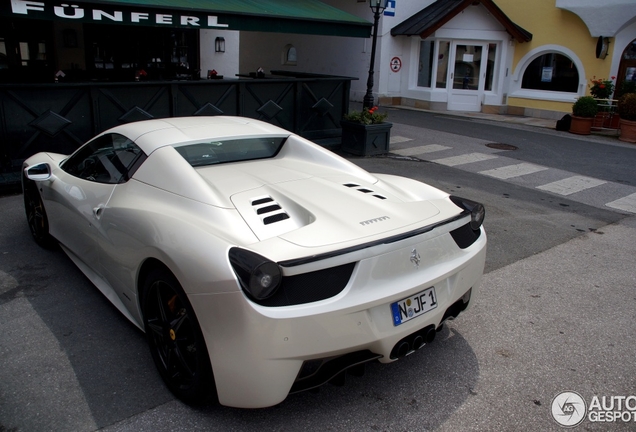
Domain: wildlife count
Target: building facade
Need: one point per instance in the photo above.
(530, 58)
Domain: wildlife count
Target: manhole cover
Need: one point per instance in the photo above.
(500, 146)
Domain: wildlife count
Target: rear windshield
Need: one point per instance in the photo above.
(230, 150)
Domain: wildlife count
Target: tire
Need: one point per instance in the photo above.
(36, 214)
(175, 339)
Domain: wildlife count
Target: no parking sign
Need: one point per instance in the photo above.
(396, 64)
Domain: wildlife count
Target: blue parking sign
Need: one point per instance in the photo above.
(390, 8)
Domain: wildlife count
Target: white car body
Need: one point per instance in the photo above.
(392, 232)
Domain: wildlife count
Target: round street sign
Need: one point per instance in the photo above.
(396, 64)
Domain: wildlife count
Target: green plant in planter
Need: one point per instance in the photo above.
(628, 87)
(627, 107)
(366, 116)
(585, 106)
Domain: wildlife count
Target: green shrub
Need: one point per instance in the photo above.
(585, 106)
(627, 107)
(366, 116)
(628, 87)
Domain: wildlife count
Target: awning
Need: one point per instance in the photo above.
(279, 16)
(602, 19)
(430, 19)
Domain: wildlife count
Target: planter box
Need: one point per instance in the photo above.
(628, 131)
(365, 140)
(581, 125)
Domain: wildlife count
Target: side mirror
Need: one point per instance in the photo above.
(38, 172)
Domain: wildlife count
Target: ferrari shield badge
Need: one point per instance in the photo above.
(415, 258)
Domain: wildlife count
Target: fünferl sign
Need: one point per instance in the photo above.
(97, 13)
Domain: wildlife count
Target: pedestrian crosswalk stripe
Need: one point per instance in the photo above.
(571, 185)
(512, 171)
(464, 159)
(627, 203)
(431, 148)
(399, 139)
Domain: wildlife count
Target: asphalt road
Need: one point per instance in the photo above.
(555, 312)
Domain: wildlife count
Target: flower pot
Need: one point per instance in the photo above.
(581, 125)
(606, 120)
(628, 131)
(601, 120)
(365, 140)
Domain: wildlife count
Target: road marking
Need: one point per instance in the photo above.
(571, 185)
(511, 171)
(465, 159)
(399, 139)
(627, 203)
(431, 148)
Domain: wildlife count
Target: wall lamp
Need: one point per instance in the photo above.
(219, 44)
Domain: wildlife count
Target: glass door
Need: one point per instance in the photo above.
(468, 76)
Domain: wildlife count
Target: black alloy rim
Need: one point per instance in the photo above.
(35, 213)
(172, 335)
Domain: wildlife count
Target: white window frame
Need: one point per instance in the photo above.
(517, 91)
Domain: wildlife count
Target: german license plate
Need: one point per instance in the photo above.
(414, 306)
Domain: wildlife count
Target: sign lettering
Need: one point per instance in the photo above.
(120, 14)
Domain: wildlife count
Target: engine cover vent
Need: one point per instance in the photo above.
(364, 190)
(269, 210)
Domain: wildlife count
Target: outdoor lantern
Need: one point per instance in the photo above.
(377, 6)
(219, 44)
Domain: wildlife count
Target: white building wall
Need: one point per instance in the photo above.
(344, 56)
(473, 24)
(329, 55)
(227, 63)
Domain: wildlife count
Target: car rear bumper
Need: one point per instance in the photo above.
(257, 353)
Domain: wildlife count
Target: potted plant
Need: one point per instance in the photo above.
(628, 87)
(602, 89)
(583, 112)
(365, 133)
(627, 112)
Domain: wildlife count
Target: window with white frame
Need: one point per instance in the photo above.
(431, 65)
(553, 72)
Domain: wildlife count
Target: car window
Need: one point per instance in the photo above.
(109, 159)
(230, 150)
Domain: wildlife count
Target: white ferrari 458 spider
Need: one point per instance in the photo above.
(257, 263)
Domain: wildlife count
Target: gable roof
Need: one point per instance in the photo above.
(428, 20)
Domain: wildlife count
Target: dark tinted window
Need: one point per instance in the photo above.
(231, 150)
(106, 159)
(554, 72)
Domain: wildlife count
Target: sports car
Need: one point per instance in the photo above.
(258, 263)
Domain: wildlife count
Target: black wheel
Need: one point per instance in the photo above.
(176, 342)
(36, 215)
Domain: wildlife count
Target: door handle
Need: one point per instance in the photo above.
(97, 211)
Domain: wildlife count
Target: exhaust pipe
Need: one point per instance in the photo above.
(418, 342)
(413, 342)
(430, 335)
(402, 349)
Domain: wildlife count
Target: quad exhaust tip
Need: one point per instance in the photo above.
(413, 342)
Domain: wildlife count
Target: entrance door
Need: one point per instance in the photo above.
(468, 75)
(626, 70)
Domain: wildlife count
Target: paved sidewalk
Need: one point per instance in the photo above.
(511, 119)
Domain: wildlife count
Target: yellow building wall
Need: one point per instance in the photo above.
(552, 26)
